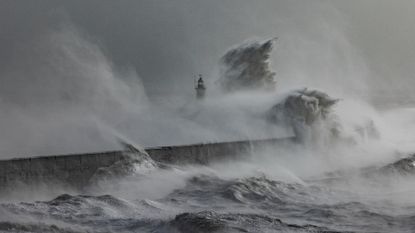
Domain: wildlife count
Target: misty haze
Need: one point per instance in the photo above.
(188, 116)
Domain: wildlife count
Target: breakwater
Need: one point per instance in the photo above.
(77, 169)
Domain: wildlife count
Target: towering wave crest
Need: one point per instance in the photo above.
(246, 67)
(311, 114)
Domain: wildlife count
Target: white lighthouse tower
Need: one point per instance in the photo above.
(200, 88)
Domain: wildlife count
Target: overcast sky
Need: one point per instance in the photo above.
(168, 41)
(88, 67)
(384, 31)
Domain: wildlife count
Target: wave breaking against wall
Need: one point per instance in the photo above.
(76, 170)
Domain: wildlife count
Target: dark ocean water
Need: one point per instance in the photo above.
(345, 186)
(206, 201)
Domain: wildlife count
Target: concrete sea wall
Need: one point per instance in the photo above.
(212, 152)
(77, 169)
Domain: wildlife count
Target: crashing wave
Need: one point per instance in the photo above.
(135, 161)
(78, 209)
(405, 166)
(303, 109)
(310, 115)
(245, 191)
(247, 67)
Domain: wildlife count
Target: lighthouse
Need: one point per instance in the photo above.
(200, 88)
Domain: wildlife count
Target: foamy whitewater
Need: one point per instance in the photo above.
(350, 169)
(343, 187)
(342, 182)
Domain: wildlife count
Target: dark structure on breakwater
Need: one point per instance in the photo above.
(77, 169)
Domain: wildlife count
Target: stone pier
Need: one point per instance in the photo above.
(77, 169)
